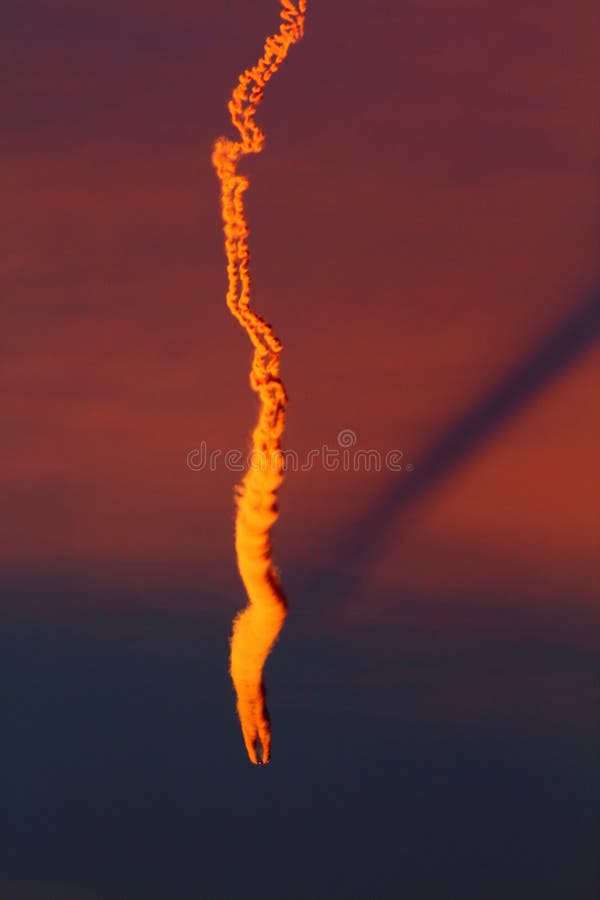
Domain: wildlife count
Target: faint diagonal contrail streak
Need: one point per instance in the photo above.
(352, 552)
(255, 628)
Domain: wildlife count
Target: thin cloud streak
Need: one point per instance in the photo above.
(366, 538)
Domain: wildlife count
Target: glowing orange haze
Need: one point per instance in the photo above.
(256, 628)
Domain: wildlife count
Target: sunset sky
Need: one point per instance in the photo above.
(424, 228)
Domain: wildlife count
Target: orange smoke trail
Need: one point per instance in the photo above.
(255, 628)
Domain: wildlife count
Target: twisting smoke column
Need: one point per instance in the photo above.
(256, 628)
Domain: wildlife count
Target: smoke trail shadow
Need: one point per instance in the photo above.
(358, 545)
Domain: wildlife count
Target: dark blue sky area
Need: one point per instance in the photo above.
(408, 761)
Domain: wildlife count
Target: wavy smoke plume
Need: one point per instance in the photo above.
(255, 628)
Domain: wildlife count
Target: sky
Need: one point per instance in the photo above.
(424, 239)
